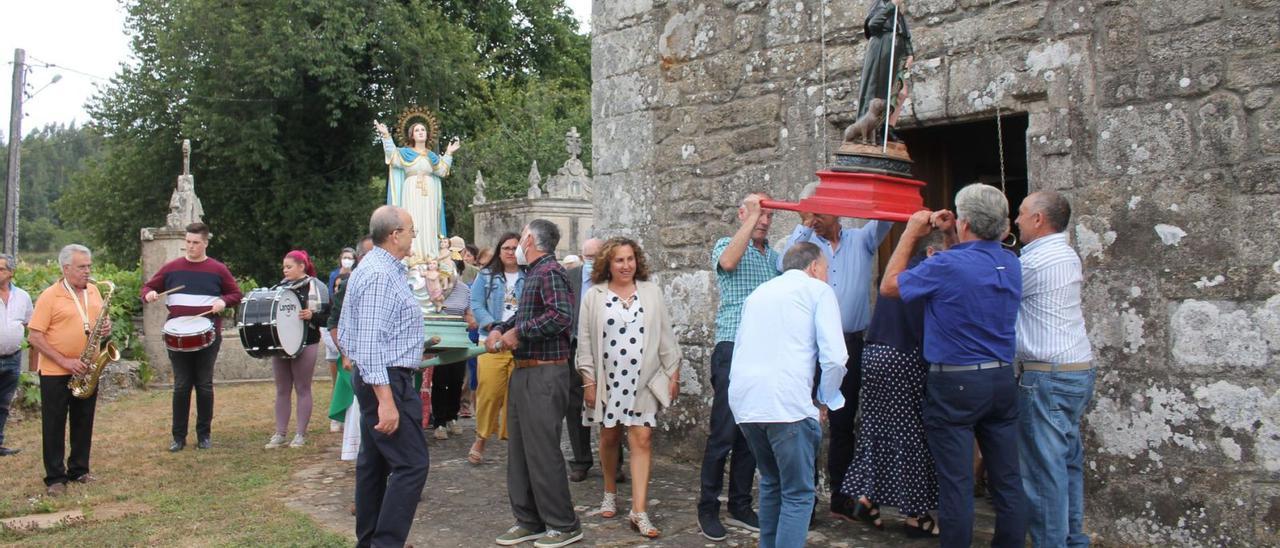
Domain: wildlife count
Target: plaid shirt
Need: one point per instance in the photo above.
(545, 314)
(381, 324)
(755, 268)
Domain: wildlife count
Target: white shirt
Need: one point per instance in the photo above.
(14, 316)
(788, 324)
(1050, 324)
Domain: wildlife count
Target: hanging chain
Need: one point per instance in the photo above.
(822, 48)
(1000, 138)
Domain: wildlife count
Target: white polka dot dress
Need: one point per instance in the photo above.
(623, 348)
(892, 465)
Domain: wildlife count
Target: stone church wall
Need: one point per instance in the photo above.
(1157, 118)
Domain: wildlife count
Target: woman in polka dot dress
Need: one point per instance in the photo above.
(892, 465)
(630, 365)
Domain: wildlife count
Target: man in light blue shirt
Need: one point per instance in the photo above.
(381, 331)
(788, 324)
(850, 253)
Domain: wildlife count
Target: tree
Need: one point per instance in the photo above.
(52, 156)
(278, 100)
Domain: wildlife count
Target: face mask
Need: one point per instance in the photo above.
(520, 258)
(586, 269)
(348, 263)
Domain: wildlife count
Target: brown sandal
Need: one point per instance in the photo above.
(475, 456)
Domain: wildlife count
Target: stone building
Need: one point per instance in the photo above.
(1157, 118)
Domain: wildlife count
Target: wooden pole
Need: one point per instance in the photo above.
(15, 147)
(888, 92)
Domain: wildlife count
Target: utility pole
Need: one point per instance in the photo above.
(15, 146)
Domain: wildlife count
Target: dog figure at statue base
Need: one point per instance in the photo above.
(864, 129)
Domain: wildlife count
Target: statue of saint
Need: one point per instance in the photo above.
(413, 179)
(882, 44)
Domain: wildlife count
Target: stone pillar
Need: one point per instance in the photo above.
(159, 246)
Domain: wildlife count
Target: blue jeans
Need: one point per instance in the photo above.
(959, 407)
(10, 371)
(1052, 457)
(785, 453)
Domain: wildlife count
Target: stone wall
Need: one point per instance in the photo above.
(1157, 118)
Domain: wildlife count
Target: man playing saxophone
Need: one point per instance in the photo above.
(64, 315)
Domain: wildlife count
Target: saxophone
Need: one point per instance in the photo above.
(97, 354)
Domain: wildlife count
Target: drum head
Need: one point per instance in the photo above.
(290, 329)
(187, 325)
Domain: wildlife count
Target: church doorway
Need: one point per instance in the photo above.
(948, 157)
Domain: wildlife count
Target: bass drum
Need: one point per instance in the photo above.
(269, 324)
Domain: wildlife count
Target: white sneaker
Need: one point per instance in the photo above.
(335, 426)
(276, 441)
(442, 433)
(455, 428)
(298, 441)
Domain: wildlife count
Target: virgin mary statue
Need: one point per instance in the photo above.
(413, 179)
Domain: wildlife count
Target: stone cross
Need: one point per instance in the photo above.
(573, 142)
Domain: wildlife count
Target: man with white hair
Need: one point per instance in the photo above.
(60, 325)
(15, 313)
(971, 294)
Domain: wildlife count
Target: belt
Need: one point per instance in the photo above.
(943, 368)
(1053, 367)
(520, 364)
(7, 356)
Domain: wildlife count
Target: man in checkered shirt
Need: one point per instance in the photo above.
(742, 263)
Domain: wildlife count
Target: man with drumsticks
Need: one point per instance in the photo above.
(194, 285)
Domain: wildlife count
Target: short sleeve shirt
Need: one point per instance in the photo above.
(971, 294)
(57, 317)
(755, 268)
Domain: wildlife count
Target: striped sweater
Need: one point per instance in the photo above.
(204, 281)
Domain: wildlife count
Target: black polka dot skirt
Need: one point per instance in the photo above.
(892, 465)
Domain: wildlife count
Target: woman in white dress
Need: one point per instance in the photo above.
(630, 365)
(413, 182)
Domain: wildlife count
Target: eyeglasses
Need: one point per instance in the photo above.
(402, 229)
(505, 248)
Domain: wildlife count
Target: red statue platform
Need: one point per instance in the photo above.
(860, 195)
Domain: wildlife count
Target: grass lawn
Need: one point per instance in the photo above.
(231, 495)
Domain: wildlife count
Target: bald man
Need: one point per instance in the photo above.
(579, 435)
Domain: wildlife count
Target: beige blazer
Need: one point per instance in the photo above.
(661, 351)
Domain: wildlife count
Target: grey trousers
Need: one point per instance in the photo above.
(537, 398)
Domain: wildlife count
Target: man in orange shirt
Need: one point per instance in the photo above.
(59, 330)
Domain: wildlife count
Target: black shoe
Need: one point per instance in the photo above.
(711, 527)
(177, 445)
(5, 451)
(204, 443)
(577, 475)
(745, 519)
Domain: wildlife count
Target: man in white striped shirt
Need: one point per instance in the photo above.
(1056, 370)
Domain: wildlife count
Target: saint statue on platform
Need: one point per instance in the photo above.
(888, 49)
(413, 179)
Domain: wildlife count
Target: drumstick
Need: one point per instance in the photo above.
(205, 313)
(168, 291)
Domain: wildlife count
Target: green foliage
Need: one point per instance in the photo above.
(531, 126)
(278, 99)
(28, 394)
(52, 157)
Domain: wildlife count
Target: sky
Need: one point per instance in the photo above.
(87, 43)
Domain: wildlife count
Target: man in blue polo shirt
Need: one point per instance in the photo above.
(971, 294)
